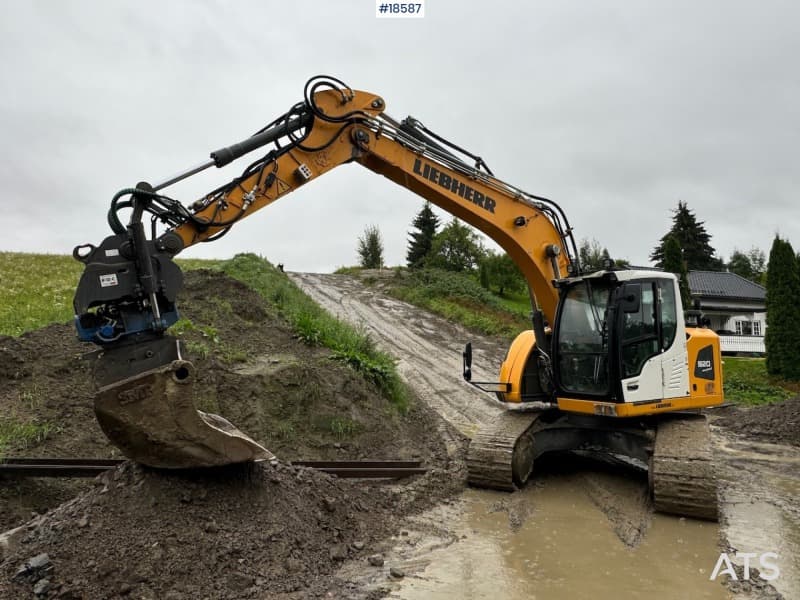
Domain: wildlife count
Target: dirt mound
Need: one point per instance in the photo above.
(778, 423)
(266, 531)
(277, 531)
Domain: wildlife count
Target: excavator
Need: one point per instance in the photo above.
(609, 366)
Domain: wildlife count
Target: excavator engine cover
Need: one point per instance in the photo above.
(150, 415)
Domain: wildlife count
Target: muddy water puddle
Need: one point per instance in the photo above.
(555, 541)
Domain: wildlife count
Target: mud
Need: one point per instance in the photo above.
(774, 423)
(757, 504)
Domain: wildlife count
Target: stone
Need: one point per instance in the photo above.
(83, 522)
(397, 573)
(329, 504)
(42, 587)
(338, 552)
(34, 569)
(358, 545)
(376, 560)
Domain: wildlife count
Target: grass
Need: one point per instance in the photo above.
(36, 290)
(458, 297)
(22, 435)
(746, 381)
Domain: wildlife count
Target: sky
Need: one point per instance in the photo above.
(616, 110)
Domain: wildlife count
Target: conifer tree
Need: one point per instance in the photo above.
(694, 240)
(674, 263)
(421, 241)
(783, 312)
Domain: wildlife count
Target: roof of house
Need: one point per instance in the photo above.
(720, 284)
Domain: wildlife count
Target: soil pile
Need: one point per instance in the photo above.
(270, 531)
(266, 531)
(778, 423)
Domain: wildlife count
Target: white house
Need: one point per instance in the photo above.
(735, 307)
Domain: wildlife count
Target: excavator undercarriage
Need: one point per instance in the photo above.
(673, 449)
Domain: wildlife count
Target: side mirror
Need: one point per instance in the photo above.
(631, 297)
(467, 356)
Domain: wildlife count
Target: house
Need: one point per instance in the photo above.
(735, 307)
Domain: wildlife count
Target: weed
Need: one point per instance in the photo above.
(21, 435)
(343, 427)
(285, 430)
(198, 349)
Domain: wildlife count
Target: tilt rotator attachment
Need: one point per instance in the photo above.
(124, 302)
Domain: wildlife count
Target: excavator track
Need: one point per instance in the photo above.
(500, 456)
(681, 473)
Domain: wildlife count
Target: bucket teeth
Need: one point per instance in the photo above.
(151, 418)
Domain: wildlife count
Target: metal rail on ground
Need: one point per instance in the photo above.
(90, 467)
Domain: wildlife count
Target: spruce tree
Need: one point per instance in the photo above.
(421, 241)
(783, 312)
(693, 238)
(674, 263)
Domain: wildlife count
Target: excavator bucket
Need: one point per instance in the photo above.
(150, 415)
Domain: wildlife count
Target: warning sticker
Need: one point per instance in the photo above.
(108, 280)
(283, 187)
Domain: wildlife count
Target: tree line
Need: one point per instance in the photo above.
(685, 247)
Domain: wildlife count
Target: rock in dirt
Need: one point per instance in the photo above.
(34, 569)
(397, 573)
(42, 587)
(376, 560)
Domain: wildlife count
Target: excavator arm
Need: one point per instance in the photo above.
(125, 299)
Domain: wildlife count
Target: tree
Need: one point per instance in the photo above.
(694, 242)
(419, 246)
(591, 255)
(674, 263)
(750, 266)
(783, 311)
(456, 248)
(500, 271)
(370, 248)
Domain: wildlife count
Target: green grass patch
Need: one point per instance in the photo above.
(36, 290)
(746, 381)
(458, 297)
(317, 327)
(22, 435)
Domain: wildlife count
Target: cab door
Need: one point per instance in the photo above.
(640, 361)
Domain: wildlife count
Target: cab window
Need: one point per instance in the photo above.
(639, 336)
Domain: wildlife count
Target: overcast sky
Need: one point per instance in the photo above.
(617, 110)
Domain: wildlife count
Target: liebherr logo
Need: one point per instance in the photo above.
(433, 174)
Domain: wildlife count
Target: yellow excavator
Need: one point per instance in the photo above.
(609, 366)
